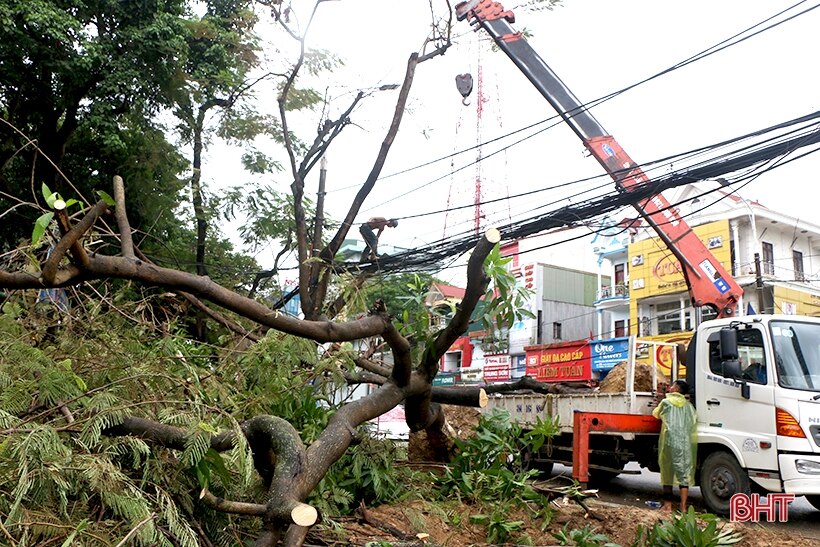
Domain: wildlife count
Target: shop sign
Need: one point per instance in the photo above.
(445, 379)
(497, 368)
(560, 363)
(608, 353)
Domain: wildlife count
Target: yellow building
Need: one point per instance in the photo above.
(773, 257)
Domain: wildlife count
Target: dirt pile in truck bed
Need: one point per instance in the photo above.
(615, 381)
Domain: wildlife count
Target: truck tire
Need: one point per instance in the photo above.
(814, 501)
(721, 477)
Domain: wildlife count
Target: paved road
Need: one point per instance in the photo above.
(637, 489)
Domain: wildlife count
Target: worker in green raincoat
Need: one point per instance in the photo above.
(677, 450)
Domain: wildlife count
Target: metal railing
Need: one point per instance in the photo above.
(613, 291)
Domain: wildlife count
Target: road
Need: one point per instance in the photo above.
(636, 490)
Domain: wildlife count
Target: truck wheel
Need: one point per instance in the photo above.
(814, 501)
(721, 477)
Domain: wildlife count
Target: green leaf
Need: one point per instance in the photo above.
(40, 226)
(217, 464)
(80, 528)
(48, 195)
(203, 473)
(106, 198)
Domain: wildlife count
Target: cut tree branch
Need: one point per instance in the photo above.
(51, 265)
(124, 226)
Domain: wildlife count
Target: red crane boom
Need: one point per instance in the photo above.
(708, 281)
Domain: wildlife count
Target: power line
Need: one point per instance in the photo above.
(571, 215)
(720, 46)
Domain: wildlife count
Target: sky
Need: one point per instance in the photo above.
(596, 48)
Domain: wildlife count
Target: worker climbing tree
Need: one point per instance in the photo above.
(371, 237)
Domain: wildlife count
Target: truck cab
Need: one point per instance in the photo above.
(757, 393)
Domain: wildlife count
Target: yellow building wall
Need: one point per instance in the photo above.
(663, 356)
(654, 270)
(794, 302)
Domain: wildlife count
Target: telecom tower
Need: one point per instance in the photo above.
(480, 185)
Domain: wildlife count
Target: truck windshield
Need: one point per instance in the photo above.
(797, 354)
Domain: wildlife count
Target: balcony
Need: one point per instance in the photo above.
(612, 295)
(613, 291)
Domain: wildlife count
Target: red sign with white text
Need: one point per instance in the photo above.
(559, 362)
(497, 368)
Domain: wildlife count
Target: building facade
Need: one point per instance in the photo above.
(771, 256)
(564, 279)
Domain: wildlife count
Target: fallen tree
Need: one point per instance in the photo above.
(289, 469)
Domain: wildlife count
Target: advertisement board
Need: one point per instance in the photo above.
(608, 353)
(497, 368)
(654, 270)
(445, 379)
(518, 367)
(662, 356)
(521, 334)
(560, 362)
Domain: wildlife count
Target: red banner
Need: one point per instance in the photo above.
(559, 362)
(497, 368)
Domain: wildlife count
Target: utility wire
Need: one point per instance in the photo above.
(720, 46)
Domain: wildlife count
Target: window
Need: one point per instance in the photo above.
(752, 356)
(768, 258)
(620, 274)
(797, 260)
(556, 331)
(452, 361)
(620, 328)
(668, 315)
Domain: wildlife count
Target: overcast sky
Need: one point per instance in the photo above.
(596, 48)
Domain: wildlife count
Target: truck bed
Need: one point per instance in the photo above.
(525, 408)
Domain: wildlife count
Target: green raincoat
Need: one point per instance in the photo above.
(677, 450)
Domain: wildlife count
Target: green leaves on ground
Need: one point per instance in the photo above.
(488, 470)
(688, 529)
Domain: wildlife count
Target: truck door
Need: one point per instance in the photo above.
(748, 425)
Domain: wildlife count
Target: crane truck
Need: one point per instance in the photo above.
(755, 380)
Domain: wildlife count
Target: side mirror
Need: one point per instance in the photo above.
(728, 345)
(731, 368)
(730, 358)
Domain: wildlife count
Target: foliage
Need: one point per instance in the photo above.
(688, 530)
(96, 70)
(172, 247)
(488, 466)
(488, 469)
(268, 215)
(54, 472)
(365, 473)
(581, 537)
(506, 301)
(73, 478)
(499, 529)
(405, 296)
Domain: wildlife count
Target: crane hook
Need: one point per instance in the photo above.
(464, 84)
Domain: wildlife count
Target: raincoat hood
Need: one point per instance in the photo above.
(676, 399)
